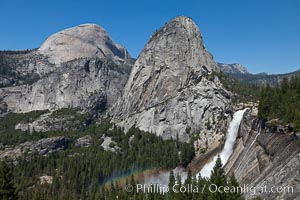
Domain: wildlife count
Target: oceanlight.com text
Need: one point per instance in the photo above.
(213, 188)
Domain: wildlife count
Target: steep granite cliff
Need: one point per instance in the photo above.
(266, 155)
(171, 90)
(83, 83)
(80, 67)
(85, 40)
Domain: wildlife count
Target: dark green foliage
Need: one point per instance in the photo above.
(81, 172)
(65, 111)
(263, 78)
(245, 92)
(16, 52)
(8, 134)
(237, 195)
(172, 181)
(11, 136)
(70, 112)
(7, 187)
(218, 178)
(5, 65)
(203, 183)
(282, 102)
(186, 153)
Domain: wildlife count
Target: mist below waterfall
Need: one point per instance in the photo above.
(229, 144)
(162, 177)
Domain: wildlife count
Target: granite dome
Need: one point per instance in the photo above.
(86, 40)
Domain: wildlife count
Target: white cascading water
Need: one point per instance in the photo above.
(229, 144)
(163, 177)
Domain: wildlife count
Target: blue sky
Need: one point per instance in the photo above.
(263, 35)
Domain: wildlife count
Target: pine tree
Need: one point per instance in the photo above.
(187, 183)
(236, 194)
(189, 177)
(171, 182)
(203, 187)
(218, 178)
(178, 195)
(7, 188)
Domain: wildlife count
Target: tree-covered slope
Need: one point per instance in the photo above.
(282, 102)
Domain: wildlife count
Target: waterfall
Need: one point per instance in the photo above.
(162, 178)
(229, 144)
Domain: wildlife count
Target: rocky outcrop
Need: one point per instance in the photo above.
(84, 141)
(83, 41)
(54, 122)
(170, 90)
(5, 81)
(266, 156)
(45, 179)
(109, 145)
(26, 67)
(3, 107)
(84, 83)
(232, 68)
(43, 147)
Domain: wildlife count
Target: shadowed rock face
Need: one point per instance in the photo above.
(266, 157)
(86, 40)
(84, 83)
(170, 88)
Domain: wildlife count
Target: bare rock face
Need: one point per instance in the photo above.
(45, 179)
(44, 147)
(266, 156)
(109, 145)
(83, 83)
(84, 141)
(24, 67)
(80, 67)
(232, 68)
(171, 90)
(86, 40)
(53, 122)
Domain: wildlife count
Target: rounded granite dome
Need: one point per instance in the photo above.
(86, 40)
